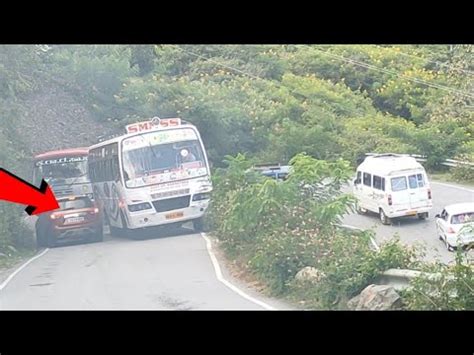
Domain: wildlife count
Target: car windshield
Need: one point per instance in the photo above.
(147, 162)
(463, 218)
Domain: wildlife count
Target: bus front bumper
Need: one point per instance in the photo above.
(150, 218)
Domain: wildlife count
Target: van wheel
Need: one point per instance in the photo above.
(448, 246)
(423, 215)
(383, 218)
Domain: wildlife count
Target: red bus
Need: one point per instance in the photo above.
(65, 171)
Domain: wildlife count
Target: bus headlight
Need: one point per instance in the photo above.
(202, 196)
(139, 207)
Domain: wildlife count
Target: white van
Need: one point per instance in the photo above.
(392, 185)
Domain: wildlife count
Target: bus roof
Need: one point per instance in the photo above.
(63, 152)
(117, 139)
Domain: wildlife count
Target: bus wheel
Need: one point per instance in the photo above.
(106, 219)
(383, 218)
(198, 224)
(124, 231)
(423, 215)
(114, 231)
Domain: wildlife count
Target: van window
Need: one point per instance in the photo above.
(416, 181)
(399, 183)
(367, 179)
(379, 183)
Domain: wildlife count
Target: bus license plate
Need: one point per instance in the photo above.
(174, 215)
(73, 220)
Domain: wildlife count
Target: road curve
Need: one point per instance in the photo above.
(173, 272)
(413, 231)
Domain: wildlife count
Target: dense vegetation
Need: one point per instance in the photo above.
(270, 103)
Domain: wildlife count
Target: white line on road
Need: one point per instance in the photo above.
(360, 229)
(453, 186)
(219, 276)
(5, 283)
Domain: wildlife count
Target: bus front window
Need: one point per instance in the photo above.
(60, 171)
(142, 166)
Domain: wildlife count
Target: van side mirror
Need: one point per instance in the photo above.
(356, 181)
(438, 216)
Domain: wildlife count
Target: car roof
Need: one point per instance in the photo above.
(456, 208)
(388, 164)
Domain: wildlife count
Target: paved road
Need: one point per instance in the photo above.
(413, 231)
(168, 273)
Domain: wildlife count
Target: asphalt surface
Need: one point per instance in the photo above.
(170, 272)
(413, 231)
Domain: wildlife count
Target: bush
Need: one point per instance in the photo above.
(451, 288)
(349, 265)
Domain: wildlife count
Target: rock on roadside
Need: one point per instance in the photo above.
(377, 298)
(309, 274)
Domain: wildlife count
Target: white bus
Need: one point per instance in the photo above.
(157, 173)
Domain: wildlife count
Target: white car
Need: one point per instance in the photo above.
(455, 225)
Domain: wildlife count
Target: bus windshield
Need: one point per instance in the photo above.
(56, 171)
(157, 157)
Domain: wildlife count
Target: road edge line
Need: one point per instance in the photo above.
(217, 270)
(453, 186)
(14, 273)
(360, 229)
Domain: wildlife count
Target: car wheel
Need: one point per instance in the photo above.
(448, 246)
(51, 240)
(383, 218)
(198, 224)
(99, 235)
(40, 238)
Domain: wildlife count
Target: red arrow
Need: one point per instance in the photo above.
(17, 190)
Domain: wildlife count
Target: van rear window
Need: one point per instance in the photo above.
(416, 181)
(399, 183)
